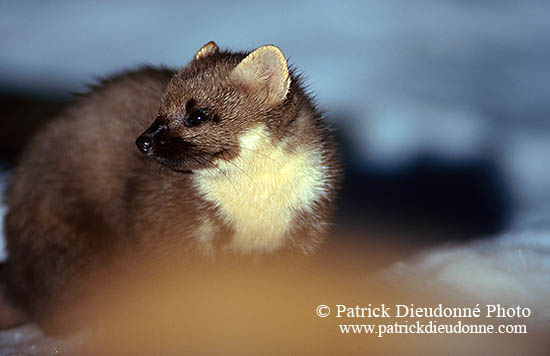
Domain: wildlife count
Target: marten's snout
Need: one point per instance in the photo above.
(144, 144)
(146, 140)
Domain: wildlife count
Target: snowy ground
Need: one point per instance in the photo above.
(511, 269)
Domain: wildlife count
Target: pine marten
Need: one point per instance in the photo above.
(237, 161)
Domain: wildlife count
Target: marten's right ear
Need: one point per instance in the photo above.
(207, 50)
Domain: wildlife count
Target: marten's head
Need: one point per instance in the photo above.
(245, 128)
(214, 101)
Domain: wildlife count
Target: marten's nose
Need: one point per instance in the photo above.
(144, 143)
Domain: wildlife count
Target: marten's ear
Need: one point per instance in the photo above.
(264, 71)
(207, 50)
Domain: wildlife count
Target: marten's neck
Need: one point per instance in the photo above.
(260, 193)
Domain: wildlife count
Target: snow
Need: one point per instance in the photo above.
(511, 269)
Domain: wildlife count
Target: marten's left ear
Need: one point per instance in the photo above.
(208, 49)
(264, 71)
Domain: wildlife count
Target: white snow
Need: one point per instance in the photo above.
(510, 269)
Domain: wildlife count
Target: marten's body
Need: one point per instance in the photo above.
(238, 161)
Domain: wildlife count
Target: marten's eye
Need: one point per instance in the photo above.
(196, 118)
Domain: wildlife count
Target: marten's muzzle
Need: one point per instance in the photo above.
(153, 136)
(168, 149)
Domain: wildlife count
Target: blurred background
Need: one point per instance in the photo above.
(441, 106)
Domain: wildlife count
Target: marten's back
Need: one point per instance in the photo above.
(67, 195)
(92, 142)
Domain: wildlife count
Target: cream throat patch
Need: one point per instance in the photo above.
(261, 191)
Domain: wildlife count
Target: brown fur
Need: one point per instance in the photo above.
(83, 195)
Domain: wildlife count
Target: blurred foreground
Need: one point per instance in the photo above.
(238, 308)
